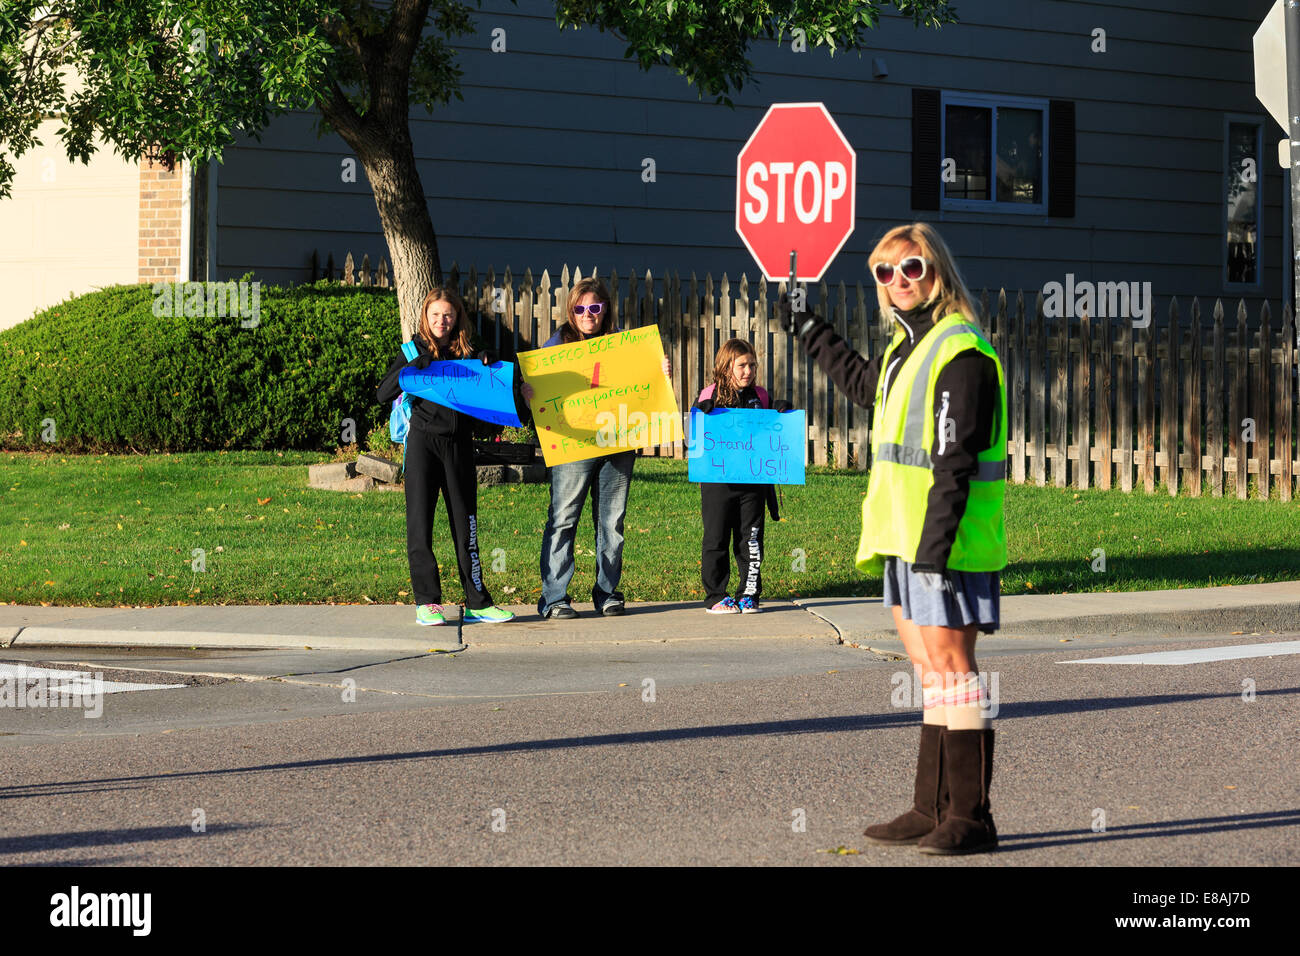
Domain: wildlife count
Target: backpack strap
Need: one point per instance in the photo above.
(410, 351)
(706, 394)
(763, 398)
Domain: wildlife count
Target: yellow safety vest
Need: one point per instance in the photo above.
(902, 442)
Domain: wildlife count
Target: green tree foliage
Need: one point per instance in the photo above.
(182, 79)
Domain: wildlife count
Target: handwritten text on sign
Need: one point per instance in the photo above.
(485, 392)
(601, 396)
(748, 446)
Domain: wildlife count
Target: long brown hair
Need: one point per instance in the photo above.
(724, 386)
(949, 293)
(459, 346)
(569, 332)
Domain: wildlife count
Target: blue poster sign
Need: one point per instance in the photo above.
(485, 392)
(747, 446)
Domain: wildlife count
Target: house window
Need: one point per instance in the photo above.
(993, 153)
(1241, 247)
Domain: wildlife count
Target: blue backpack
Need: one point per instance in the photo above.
(399, 419)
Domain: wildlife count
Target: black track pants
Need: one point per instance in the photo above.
(733, 519)
(434, 465)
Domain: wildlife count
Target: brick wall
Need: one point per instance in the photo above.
(160, 222)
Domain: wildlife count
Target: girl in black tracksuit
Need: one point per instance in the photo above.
(440, 458)
(733, 513)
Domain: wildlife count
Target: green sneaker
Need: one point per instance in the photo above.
(490, 615)
(430, 614)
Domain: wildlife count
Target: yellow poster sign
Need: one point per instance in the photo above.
(601, 396)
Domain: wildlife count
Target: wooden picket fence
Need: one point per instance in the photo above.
(1196, 403)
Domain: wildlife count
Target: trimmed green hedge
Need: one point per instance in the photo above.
(114, 376)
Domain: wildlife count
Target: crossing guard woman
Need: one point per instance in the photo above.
(932, 521)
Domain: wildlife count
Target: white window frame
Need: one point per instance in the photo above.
(993, 103)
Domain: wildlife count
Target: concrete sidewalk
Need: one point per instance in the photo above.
(862, 622)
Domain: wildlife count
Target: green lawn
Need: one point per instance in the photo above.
(119, 529)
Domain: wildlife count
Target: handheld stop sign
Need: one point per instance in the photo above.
(796, 190)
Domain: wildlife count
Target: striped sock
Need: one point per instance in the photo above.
(964, 701)
(935, 711)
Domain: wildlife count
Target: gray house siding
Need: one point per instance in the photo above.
(540, 166)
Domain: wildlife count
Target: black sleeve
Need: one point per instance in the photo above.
(389, 388)
(964, 423)
(521, 407)
(855, 375)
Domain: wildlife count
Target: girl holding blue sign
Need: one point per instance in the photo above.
(733, 513)
(440, 458)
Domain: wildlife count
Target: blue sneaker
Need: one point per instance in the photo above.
(726, 606)
(748, 605)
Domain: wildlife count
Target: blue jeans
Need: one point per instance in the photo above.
(608, 478)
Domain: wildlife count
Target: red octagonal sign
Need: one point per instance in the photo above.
(796, 183)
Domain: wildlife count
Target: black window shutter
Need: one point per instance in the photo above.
(925, 149)
(1060, 161)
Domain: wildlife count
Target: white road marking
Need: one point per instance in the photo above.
(1231, 653)
(74, 682)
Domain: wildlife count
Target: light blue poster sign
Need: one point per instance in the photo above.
(747, 446)
(485, 392)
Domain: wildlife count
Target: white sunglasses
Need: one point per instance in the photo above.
(913, 269)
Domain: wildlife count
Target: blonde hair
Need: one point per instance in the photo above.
(570, 332)
(724, 385)
(949, 293)
(459, 346)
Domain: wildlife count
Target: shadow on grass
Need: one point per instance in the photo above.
(1146, 573)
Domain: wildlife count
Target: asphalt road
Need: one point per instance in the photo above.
(565, 755)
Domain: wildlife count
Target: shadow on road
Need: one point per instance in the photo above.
(903, 718)
(45, 842)
(1143, 831)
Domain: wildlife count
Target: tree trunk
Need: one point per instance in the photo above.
(408, 227)
(381, 138)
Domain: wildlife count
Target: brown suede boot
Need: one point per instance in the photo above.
(968, 826)
(929, 798)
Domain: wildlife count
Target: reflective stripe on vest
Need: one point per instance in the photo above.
(902, 469)
(920, 458)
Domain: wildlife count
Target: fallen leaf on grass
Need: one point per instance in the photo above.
(263, 501)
